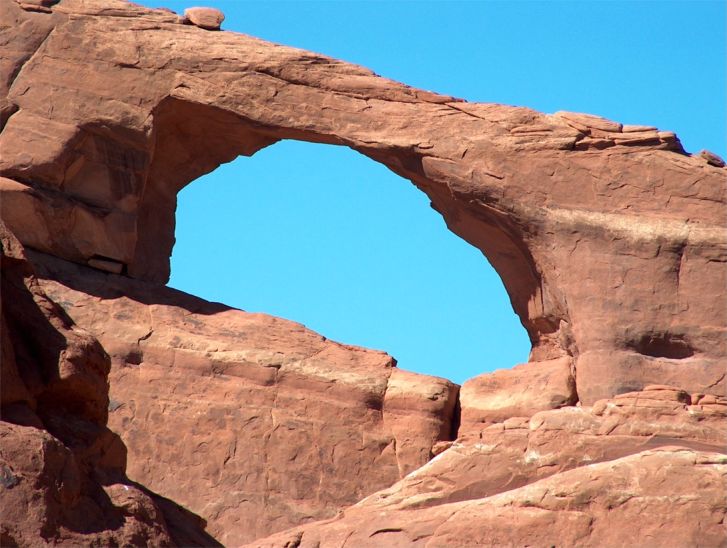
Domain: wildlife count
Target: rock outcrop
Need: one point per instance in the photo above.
(610, 241)
(587, 506)
(62, 471)
(573, 477)
(272, 424)
(586, 220)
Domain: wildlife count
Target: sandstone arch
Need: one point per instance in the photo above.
(619, 231)
(192, 139)
(608, 238)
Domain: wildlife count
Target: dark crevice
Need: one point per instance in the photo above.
(7, 114)
(662, 345)
(456, 418)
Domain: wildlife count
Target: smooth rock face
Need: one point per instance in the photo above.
(518, 392)
(610, 240)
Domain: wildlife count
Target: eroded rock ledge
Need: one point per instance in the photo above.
(610, 241)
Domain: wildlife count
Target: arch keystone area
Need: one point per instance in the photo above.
(609, 239)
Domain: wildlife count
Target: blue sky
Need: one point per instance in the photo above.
(326, 237)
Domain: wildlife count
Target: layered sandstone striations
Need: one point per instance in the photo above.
(609, 238)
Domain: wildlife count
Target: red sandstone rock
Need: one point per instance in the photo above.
(205, 18)
(62, 475)
(628, 128)
(625, 502)
(279, 425)
(517, 392)
(615, 258)
(712, 158)
(610, 241)
(582, 460)
(588, 122)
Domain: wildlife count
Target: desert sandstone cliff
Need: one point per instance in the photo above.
(136, 414)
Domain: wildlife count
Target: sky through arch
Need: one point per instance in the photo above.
(325, 236)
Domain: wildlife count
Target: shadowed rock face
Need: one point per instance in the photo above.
(62, 471)
(609, 239)
(254, 422)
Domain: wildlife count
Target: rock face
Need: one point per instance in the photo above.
(610, 240)
(588, 506)
(572, 477)
(279, 425)
(62, 477)
(585, 220)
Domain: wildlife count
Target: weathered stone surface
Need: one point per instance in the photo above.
(279, 425)
(572, 476)
(628, 128)
(205, 18)
(588, 122)
(712, 158)
(610, 240)
(48, 498)
(507, 456)
(611, 244)
(587, 506)
(62, 477)
(517, 392)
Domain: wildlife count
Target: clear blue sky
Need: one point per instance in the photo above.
(326, 237)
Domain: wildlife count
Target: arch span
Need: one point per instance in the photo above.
(323, 235)
(604, 235)
(192, 140)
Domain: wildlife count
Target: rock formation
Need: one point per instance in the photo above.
(62, 471)
(123, 399)
(273, 424)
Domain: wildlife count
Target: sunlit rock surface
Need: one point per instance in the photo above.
(253, 422)
(610, 240)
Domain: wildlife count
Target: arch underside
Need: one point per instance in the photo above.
(192, 140)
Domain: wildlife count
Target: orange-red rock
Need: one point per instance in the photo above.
(575, 476)
(609, 239)
(205, 18)
(612, 252)
(626, 502)
(517, 392)
(278, 424)
(62, 472)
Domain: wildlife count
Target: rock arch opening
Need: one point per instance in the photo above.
(322, 235)
(193, 138)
